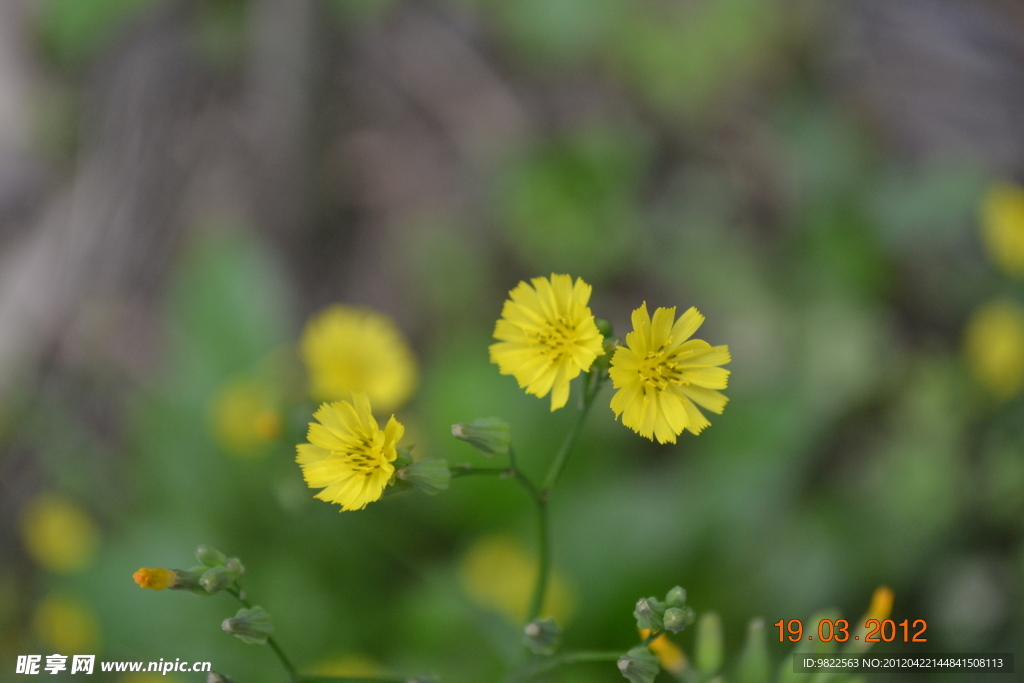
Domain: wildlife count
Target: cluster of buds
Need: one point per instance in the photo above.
(670, 614)
(542, 636)
(216, 573)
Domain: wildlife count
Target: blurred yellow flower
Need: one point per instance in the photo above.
(670, 656)
(496, 572)
(348, 455)
(547, 336)
(350, 666)
(994, 347)
(157, 579)
(348, 350)
(246, 417)
(881, 604)
(1002, 227)
(660, 375)
(58, 534)
(66, 625)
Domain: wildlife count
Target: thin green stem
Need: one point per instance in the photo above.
(467, 470)
(568, 658)
(590, 389)
(543, 560)
(281, 656)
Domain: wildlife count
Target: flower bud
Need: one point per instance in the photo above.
(216, 579)
(430, 476)
(542, 636)
(251, 626)
(234, 565)
(678, 618)
(210, 556)
(604, 326)
(214, 677)
(489, 435)
(639, 665)
(753, 666)
(159, 579)
(676, 597)
(649, 614)
(708, 650)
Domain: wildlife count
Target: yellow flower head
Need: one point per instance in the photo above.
(348, 455)
(670, 656)
(59, 535)
(157, 579)
(65, 624)
(246, 417)
(881, 604)
(994, 348)
(661, 373)
(1002, 227)
(547, 336)
(348, 350)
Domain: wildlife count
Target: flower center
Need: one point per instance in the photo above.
(556, 337)
(660, 368)
(363, 458)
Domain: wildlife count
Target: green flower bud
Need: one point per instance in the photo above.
(709, 648)
(753, 666)
(604, 326)
(542, 636)
(676, 597)
(214, 677)
(490, 435)
(210, 556)
(188, 580)
(216, 579)
(251, 626)
(649, 614)
(234, 565)
(678, 618)
(639, 665)
(429, 476)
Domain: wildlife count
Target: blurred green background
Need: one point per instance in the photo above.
(184, 183)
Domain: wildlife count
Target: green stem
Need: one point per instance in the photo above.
(543, 560)
(467, 470)
(568, 658)
(281, 656)
(590, 389)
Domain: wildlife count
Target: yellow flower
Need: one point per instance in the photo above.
(670, 656)
(498, 573)
(348, 350)
(994, 348)
(660, 375)
(547, 336)
(66, 625)
(1002, 227)
(246, 417)
(157, 579)
(59, 535)
(881, 604)
(348, 455)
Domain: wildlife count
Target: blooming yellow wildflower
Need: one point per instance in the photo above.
(348, 350)
(157, 579)
(670, 656)
(65, 624)
(660, 375)
(1002, 227)
(994, 348)
(348, 455)
(59, 535)
(498, 573)
(246, 417)
(547, 336)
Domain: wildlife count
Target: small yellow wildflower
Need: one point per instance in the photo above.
(1002, 227)
(65, 624)
(348, 350)
(246, 417)
(670, 656)
(660, 375)
(498, 573)
(59, 535)
(547, 336)
(157, 579)
(348, 455)
(994, 348)
(881, 604)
